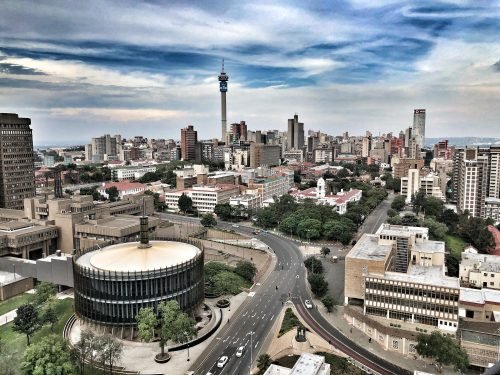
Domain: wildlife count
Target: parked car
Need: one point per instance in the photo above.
(236, 226)
(222, 361)
(308, 304)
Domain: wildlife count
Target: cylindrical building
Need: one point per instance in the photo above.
(113, 283)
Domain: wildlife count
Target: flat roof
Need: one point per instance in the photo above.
(424, 275)
(479, 296)
(368, 247)
(430, 246)
(129, 257)
(308, 364)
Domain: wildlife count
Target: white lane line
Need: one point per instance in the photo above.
(263, 316)
(255, 347)
(272, 317)
(253, 316)
(245, 314)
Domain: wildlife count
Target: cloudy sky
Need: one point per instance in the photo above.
(84, 68)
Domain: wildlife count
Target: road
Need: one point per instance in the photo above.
(258, 313)
(377, 217)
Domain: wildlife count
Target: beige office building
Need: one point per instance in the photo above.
(264, 155)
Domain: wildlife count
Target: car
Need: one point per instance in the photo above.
(240, 351)
(222, 361)
(308, 304)
(236, 226)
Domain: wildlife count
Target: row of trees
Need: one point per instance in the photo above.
(317, 282)
(222, 279)
(104, 350)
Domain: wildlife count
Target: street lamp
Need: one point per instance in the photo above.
(251, 333)
(187, 343)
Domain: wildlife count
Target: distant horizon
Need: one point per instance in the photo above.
(152, 67)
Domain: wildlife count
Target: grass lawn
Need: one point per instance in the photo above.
(16, 342)
(14, 302)
(289, 322)
(455, 244)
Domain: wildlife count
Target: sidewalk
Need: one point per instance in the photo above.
(337, 320)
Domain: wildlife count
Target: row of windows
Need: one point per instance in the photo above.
(425, 305)
(414, 290)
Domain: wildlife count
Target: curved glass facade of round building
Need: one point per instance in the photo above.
(113, 283)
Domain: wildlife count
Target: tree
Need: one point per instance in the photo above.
(43, 292)
(289, 224)
(171, 324)
(226, 282)
(391, 212)
(246, 269)
(418, 201)
(263, 362)
(398, 203)
(113, 193)
(223, 211)
(319, 286)
(309, 229)
(437, 230)
(49, 315)
(185, 203)
(111, 351)
(313, 265)
(329, 302)
(433, 206)
(48, 356)
(339, 230)
(85, 349)
(27, 321)
(443, 349)
(325, 251)
(208, 220)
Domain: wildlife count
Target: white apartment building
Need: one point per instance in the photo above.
(204, 197)
(131, 173)
(124, 188)
(480, 271)
(430, 185)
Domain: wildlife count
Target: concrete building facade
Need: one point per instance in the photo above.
(17, 177)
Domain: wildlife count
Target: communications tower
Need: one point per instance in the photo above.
(223, 78)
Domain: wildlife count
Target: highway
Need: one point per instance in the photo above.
(260, 310)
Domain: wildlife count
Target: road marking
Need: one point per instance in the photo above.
(272, 317)
(255, 347)
(245, 314)
(257, 284)
(251, 294)
(253, 316)
(263, 316)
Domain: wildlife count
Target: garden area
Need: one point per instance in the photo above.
(290, 321)
(221, 279)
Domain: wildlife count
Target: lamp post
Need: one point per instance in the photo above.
(186, 336)
(251, 352)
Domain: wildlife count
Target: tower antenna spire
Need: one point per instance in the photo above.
(223, 65)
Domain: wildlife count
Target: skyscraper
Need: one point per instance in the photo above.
(223, 78)
(295, 136)
(419, 127)
(17, 178)
(104, 148)
(189, 139)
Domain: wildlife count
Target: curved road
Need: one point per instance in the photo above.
(251, 325)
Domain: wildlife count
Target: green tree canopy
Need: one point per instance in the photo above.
(325, 251)
(246, 269)
(43, 292)
(398, 203)
(309, 229)
(113, 193)
(208, 220)
(433, 206)
(185, 203)
(319, 286)
(313, 265)
(443, 349)
(329, 302)
(27, 321)
(49, 356)
(437, 230)
(224, 211)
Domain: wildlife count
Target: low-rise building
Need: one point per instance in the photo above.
(480, 271)
(27, 240)
(492, 209)
(307, 364)
(132, 173)
(124, 188)
(398, 275)
(249, 201)
(204, 197)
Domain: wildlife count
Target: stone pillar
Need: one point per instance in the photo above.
(412, 318)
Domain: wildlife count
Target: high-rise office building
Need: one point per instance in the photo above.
(189, 139)
(264, 155)
(295, 135)
(239, 130)
(419, 127)
(104, 148)
(17, 178)
(223, 78)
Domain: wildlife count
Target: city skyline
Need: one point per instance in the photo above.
(86, 69)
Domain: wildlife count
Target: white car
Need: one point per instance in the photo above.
(222, 361)
(308, 304)
(240, 351)
(236, 226)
